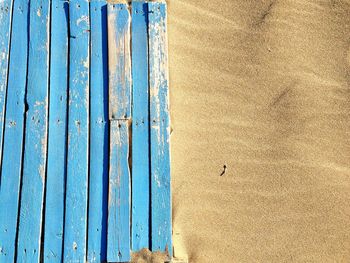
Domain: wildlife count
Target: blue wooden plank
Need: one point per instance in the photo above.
(119, 61)
(13, 134)
(5, 30)
(119, 193)
(160, 131)
(75, 231)
(35, 148)
(140, 231)
(56, 163)
(99, 138)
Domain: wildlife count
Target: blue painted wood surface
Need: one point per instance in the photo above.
(119, 61)
(5, 33)
(160, 129)
(14, 132)
(119, 193)
(140, 232)
(89, 134)
(75, 232)
(35, 149)
(99, 134)
(56, 163)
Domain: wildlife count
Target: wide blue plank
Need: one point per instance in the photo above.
(140, 231)
(75, 231)
(99, 134)
(5, 31)
(119, 61)
(13, 134)
(160, 129)
(56, 163)
(35, 150)
(119, 193)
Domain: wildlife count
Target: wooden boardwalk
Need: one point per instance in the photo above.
(84, 131)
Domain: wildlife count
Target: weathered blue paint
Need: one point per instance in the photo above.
(119, 61)
(140, 232)
(106, 233)
(5, 31)
(75, 231)
(13, 134)
(99, 138)
(35, 148)
(160, 130)
(56, 163)
(119, 193)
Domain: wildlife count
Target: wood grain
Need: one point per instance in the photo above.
(57, 150)
(13, 132)
(75, 231)
(140, 230)
(160, 129)
(119, 61)
(99, 134)
(35, 148)
(5, 39)
(119, 193)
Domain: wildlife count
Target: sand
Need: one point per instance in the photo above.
(262, 87)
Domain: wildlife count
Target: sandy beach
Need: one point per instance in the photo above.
(262, 88)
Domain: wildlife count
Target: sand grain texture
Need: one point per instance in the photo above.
(262, 87)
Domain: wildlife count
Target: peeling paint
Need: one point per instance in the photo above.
(83, 19)
(160, 131)
(119, 60)
(43, 154)
(119, 190)
(86, 63)
(159, 73)
(78, 132)
(42, 173)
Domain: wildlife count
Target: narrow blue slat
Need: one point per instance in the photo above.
(119, 193)
(5, 31)
(140, 128)
(160, 131)
(13, 134)
(99, 130)
(75, 231)
(119, 61)
(56, 166)
(34, 164)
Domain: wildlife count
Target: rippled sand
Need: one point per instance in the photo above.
(262, 87)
